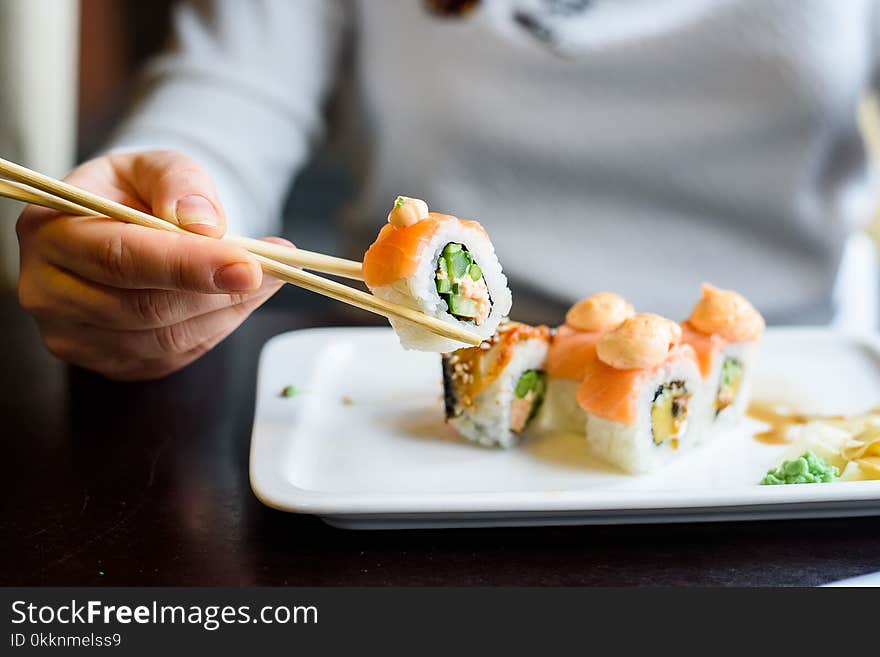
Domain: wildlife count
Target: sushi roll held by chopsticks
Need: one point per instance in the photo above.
(493, 391)
(440, 265)
(723, 329)
(637, 392)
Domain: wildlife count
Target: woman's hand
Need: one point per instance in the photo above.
(131, 302)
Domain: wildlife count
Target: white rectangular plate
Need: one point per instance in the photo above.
(363, 444)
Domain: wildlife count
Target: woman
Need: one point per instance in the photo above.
(636, 146)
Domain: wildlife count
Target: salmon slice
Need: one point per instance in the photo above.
(569, 352)
(705, 346)
(611, 393)
(396, 253)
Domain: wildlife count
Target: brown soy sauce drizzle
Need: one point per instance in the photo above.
(780, 421)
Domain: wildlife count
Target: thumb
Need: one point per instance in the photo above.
(178, 189)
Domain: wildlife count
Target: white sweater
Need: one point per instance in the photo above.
(634, 146)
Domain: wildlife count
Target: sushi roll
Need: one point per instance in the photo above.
(723, 330)
(573, 342)
(440, 265)
(492, 392)
(637, 392)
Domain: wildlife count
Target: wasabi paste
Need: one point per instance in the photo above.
(807, 469)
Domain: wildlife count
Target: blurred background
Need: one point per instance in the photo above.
(79, 78)
(64, 91)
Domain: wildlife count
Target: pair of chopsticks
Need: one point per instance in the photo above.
(282, 262)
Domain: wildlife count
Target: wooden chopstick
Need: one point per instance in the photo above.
(54, 194)
(33, 187)
(291, 256)
(300, 257)
(18, 192)
(364, 300)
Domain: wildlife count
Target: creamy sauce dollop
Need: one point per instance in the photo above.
(600, 312)
(641, 341)
(726, 313)
(407, 211)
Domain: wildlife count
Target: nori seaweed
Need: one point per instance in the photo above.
(449, 398)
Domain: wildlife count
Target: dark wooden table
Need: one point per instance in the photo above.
(147, 484)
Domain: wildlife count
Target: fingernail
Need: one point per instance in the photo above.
(279, 241)
(269, 284)
(237, 277)
(195, 209)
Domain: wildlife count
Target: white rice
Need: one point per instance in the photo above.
(560, 411)
(709, 424)
(632, 447)
(419, 291)
(486, 420)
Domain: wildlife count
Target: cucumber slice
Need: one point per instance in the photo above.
(458, 263)
(540, 389)
(540, 386)
(534, 381)
(456, 288)
(475, 272)
(462, 307)
(451, 248)
(528, 381)
(444, 285)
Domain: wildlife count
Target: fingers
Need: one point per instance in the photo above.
(178, 189)
(133, 257)
(50, 293)
(280, 241)
(201, 332)
(143, 354)
(60, 342)
(133, 302)
(168, 184)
